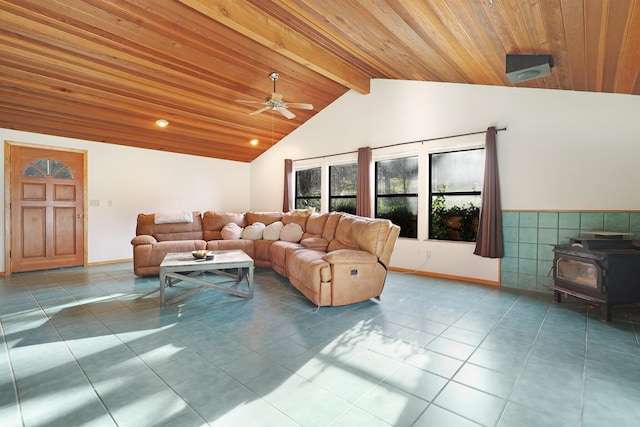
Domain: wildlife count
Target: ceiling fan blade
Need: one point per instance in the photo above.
(299, 105)
(253, 113)
(249, 102)
(288, 114)
(276, 97)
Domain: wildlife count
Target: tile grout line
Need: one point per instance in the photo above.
(13, 376)
(75, 359)
(465, 361)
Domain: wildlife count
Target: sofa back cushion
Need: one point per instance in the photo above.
(330, 226)
(368, 234)
(170, 231)
(291, 218)
(264, 217)
(213, 222)
(315, 225)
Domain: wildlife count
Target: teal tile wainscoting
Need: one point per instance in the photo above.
(529, 237)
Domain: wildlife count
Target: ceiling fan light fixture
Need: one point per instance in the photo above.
(162, 123)
(276, 102)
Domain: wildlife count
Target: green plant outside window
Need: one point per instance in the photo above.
(455, 194)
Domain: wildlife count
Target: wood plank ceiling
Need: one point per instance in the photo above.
(106, 70)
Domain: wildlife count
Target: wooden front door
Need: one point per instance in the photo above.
(47, 208)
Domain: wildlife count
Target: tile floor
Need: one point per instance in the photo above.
(90, 346)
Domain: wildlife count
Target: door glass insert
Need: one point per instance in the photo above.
(48, 167)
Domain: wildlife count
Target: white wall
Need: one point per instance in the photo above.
(142, 181)
(561, 151)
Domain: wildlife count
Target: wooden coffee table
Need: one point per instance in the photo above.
(183, 267)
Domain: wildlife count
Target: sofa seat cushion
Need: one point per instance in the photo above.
(309, 267)
(261, 251)
(349, 256)
(147, 258)
(224, 245)
(277, 251)
(315, 243)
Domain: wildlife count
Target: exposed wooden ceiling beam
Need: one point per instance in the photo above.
(254, 24)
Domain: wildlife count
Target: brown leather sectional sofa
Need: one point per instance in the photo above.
(339, 259)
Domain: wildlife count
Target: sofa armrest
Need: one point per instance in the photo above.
(350, 256)
(143, 239)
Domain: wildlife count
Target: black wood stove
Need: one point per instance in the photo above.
(601, 270)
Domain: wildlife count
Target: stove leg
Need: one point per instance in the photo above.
(607, 312)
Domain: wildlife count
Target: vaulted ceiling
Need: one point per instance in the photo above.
(107, 70)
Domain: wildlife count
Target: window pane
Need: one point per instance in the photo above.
(42, 164)
(343, 204)
(455, 218)
(308, 202)
(308, 183)
(457, 171)
(64, 173)
(308, 189)
(342, 179)
(32, 171)
(55, 166)
(397, 193)
(47, 167)
(342, 183)
(400, 210)
(397, 176)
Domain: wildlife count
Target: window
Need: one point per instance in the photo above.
(48, 167)
(455, 194)
(397, 193)
(308, 188)
(342, 188)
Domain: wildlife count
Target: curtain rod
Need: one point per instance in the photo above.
(401, 143)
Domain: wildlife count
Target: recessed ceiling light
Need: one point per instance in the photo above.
(254, 141)
(162, 123)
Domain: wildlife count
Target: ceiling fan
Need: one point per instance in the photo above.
(276, 103)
